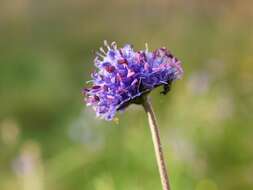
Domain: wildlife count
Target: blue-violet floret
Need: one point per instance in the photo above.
(124, 75)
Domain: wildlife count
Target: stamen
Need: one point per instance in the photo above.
(146, 47)
(97, 61)
(106, 44)
(114, 45)
(99, 54)
(102, 50)
(89, 81)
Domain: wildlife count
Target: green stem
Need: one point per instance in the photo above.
(157, 143)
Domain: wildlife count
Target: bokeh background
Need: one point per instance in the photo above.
(49, 140)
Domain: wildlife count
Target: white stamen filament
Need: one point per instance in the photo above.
(146, 47)
(102, 50)
(99, 54)
(114, 45)
(106, 45)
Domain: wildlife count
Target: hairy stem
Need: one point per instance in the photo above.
(157, 143)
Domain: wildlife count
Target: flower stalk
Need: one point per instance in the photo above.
(156, 142)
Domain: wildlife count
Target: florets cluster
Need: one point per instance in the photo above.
(124, 75)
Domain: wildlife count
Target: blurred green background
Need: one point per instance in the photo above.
(49, 140)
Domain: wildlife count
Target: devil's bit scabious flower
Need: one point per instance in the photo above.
(124, 75)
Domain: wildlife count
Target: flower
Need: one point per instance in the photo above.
(123, 76)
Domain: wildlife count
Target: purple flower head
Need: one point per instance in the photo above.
(124, 75)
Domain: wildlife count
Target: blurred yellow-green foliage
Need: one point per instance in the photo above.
(49, 140)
